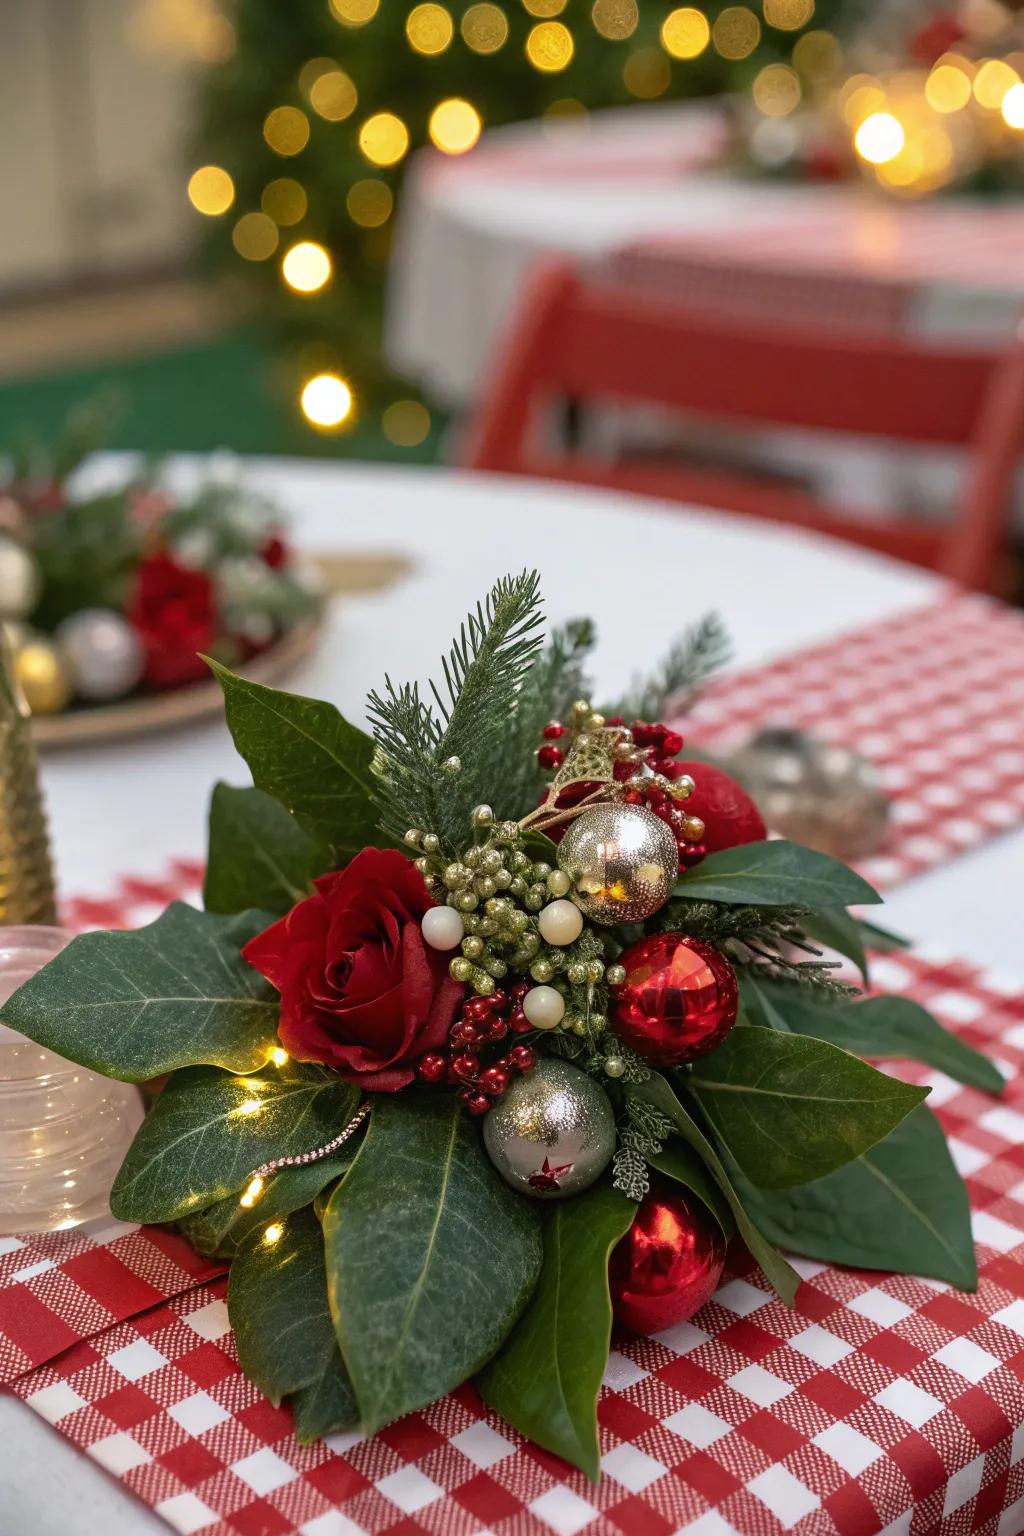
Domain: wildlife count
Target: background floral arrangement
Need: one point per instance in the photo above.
(105, 595)
(455, 1080)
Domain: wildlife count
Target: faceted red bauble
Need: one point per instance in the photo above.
(667, 1265)
(729, 815)
(678, 1000)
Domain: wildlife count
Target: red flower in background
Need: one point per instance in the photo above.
(360, 990)
(275, 553)
(174, 613)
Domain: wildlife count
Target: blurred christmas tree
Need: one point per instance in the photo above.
(307, 125)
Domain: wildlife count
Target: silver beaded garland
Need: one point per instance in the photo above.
(553, 1133)
(622, 860)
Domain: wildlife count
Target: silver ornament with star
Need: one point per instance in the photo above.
(622, 860)
(552, 1133)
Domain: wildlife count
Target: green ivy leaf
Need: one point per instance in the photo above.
(779, 1274)
(791, 1109)
(837, 930)
(431, 1257)
(208, 1130)
(277, 1303)
(900, 1206)
(307, 755)
(136, 1004)
(775, 874)
(259, 855)
(893, 1028)
(546, 1378)
(219, 1230)
(680, 1163)
(326, 1405)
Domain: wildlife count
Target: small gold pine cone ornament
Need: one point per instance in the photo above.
(26, 873)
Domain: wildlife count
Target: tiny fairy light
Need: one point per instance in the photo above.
(333, 96)
(647, 73)
(306, 266)
(615, 20)
(685, 33)
(484, 28)
(253, 1190)
(736, 32)
(879, 138)
(384, 139)
(326, 401)
(429, 29)
(278, 1056)
(284, 200)
(354, 13)
(1012, 107)
(255, 237)
(454, 126)
(256, 1184)
(370, 202)
(550, 47)
(273, 1234)
(211, 190)
(286, 130)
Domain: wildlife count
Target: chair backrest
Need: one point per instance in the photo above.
(584, 339)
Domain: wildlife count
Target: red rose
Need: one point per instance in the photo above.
(360, 990)
(174, 612)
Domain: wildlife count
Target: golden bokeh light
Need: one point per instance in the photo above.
(615, 19)
(211, 190)
(333, 96)
(545, 7)
(273, 1234)
(326, 401)
(879, 138)
(817, 55)
(685, 32)
(736, 32)
(284, 200)
(647, 74)
(788, 15)
(306, 266)
(406, 423)
(566, 106)
(286, 130)
(311, 71)
(383, 139)
(860, 96)
(354, 13)
(991, 83)
(1012, 107)
(776, 90)
(947, 88)
(454, 126)
(255, 237)
(429, 29)
(485, 28)
(370, 203)
(550, 47)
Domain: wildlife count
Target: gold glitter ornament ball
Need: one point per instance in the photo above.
(43, 676)
(622, 860)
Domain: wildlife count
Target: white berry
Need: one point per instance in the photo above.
(443, 928)
(544, 1007)
(561, 922)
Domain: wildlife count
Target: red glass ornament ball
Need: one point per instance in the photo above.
(678, 1001)
(729, 815)
(668, 1264)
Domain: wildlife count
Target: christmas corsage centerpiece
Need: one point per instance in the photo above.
(108, 595)
(499, 1024)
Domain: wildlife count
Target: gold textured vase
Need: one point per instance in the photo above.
(26, 872)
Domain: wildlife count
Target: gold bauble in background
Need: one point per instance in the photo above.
(43, 676)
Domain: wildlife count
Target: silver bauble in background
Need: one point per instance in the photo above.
(813, 792)
(103, 652)
(553, 1132)
(19, 579)
(622, 860)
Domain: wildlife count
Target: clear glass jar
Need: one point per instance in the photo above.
(63, 1130)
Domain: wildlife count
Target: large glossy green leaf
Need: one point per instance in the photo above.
(277, 1303)
(757, 1003)
(431, 1257)
(137, 1004)
(779, 1274)
(208, 1130)
(680, 1163)
(220, 1229)
(307, 755)
(259, 855)
(546, 1379)
(775, 874)
(791, 1109)
(893, 1028)
(900, 1206)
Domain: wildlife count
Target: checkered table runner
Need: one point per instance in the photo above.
(881, 1404)
(934, 698)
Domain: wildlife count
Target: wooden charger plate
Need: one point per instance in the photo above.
(147, 713)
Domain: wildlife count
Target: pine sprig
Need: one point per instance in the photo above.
(761, 939)
(550, 688)
(701, 651)
(433, 768)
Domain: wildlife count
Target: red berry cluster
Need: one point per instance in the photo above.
(484, 1023)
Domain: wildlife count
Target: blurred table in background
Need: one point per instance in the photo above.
(644, 188)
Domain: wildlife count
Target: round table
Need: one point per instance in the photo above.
(641, 570)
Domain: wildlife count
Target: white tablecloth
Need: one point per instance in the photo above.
(641, 571)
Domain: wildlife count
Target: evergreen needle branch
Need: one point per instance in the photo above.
(702, 650)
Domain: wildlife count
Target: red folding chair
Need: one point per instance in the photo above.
(576, 338)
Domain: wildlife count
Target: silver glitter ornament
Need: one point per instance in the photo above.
(622, 860)
(813, 792)
(103, 652)
(19, 580)
(552, 1133)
